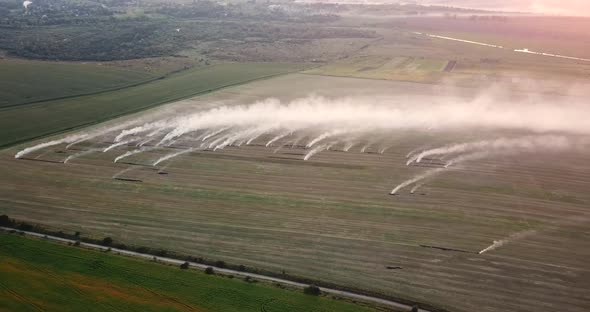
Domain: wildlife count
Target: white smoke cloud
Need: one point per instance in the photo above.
(319, 124)
(502, 242)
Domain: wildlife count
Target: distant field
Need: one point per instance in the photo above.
(331, 218)
(408, 68)
(558, 35)
(29, 81)
(44, 276)
(19, 124)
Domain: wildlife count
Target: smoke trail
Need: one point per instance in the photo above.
(276, 150)
(133, 152)
(254, 137)
(384, 149)
(414, 151)
(364, 148)
(500, 243)
(323, 136)
(37, 147)
(297, 140)
(139, 129)
(172, 155)
(116, 175)
(348, 146)
(468, 157)
(415, 179)
(278, 137)
(552, 55)
(114, 145)
(314, 151)
(80, 154)
(144, 142)
(464, 41)
(213, 144)
(84, 138)
(523, 143)
(241, 136)
(177, 132)
(416, 187)
(42, 154)
(213, 133)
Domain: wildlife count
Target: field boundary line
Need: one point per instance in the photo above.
(147, 107)
(65, 97)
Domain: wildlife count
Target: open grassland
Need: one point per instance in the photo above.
(18, 124)
(330, 218)
(42, 276)
(31, 81)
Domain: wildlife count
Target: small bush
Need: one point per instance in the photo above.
(107, 241)
(209, 270)
(312, 290)
(25, 227)
(184, 266)
(77, 243)
(6, 221)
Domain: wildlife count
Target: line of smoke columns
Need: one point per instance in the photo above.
(346, 118)
(322, 123)
(490, 147)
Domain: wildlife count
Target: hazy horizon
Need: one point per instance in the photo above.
(560, 7)
(551, 7)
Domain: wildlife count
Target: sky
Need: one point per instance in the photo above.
(561, 7)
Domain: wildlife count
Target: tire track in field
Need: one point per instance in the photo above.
(87, 295)
(20, 297)
(264, 308)
(61, 279)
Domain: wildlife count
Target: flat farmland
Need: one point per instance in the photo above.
(30, 81)
(39, 275)
(550, 34)
(330, 217)
(382, 67)
(47, 118)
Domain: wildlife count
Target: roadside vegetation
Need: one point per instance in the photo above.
(20, 227)
(46, 276)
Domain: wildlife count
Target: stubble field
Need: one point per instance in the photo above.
(331, 218)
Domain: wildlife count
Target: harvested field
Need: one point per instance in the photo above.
(331, 217)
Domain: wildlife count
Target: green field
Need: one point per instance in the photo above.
(38, 275)
(404, 68)
(19, 124)
(32, 81)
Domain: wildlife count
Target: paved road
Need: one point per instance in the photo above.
(351, 295)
